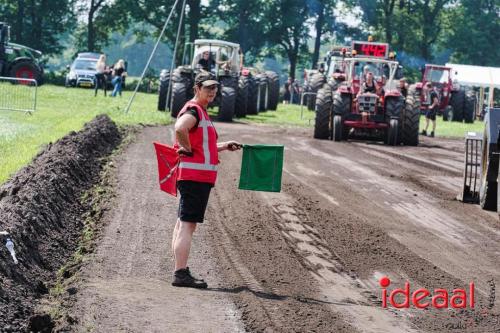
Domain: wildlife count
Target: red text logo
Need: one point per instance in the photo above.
(422, 298)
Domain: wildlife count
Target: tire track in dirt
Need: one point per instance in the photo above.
(461, 241)
(347, 293)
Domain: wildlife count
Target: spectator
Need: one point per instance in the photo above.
(402, 87)
(118, 75)
(432, 103)
(287, 97)
(100, 75)
(296, 92)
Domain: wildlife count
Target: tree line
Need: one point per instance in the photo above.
(463, 31)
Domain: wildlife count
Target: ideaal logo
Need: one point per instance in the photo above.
(440, 299)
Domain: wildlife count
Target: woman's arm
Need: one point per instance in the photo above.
(229, 145)
(182, 127)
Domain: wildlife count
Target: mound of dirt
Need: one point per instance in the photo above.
(41, 208)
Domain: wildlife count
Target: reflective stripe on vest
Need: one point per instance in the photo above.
(209, 163)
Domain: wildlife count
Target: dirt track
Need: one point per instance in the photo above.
(304, 260)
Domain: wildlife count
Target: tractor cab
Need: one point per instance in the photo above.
(222, 57)
(384, 72)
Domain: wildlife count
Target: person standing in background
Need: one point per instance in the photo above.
(100, 75)
(118, 75)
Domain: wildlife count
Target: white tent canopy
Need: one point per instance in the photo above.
(476, 76)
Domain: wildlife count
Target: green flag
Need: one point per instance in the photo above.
(261, 168)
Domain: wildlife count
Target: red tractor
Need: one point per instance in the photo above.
(456, 103)
(386, 115)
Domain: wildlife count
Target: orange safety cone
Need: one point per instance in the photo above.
(168, 161)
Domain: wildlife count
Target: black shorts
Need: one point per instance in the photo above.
(193, 201)
(431, 114)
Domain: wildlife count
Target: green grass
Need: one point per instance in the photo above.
(449, 129)
(59, 111)
(286, 115)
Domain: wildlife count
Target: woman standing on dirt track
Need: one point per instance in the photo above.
(196, 143)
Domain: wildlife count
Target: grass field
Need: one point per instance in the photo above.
(61, 110)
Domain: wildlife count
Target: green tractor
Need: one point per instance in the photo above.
(17, 60)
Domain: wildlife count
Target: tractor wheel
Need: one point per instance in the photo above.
(457, 103)
(315, 84)
(337, 128)
(334, 84)
(323, 114)
(469, 106)
(489, 183)
(178, 99)
(274, 90)
(393, 133)
(448, 113)
(415, 93)
(263, 91)
(227, 103)
(253, 86)
(242, 97)
(411, 122)
(26, 70)
(341, 107)
(163, 93)
(394, 107)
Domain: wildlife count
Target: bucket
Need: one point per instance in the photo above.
(261, 168)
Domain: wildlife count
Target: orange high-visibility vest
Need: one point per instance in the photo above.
(202, 166)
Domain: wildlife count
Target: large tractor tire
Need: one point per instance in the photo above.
(242, 97)
(316, 82)
(470, 106)
(448, 113)
(274, 90)
(457, 101)
(263, 92)
(489, 174)
(411, 122)
(341, 107)
(337, 128)
(26, 70)
(253, 92)
(178, 99)
(393, 133)
(163, 93)
(415, 93)
(324, 105)
(227, 103)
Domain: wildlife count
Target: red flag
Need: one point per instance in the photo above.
(168, 161)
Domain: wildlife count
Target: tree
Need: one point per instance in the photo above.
(324, 23)
(410, 25)
(242, 20)
(474, 32)
(38, 23)
(286, 28)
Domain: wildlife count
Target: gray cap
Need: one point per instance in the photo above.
(205, 79)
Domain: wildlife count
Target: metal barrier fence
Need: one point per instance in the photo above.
(302, 101)
(17, 94)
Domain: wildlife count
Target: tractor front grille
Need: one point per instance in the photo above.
(367, 103)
